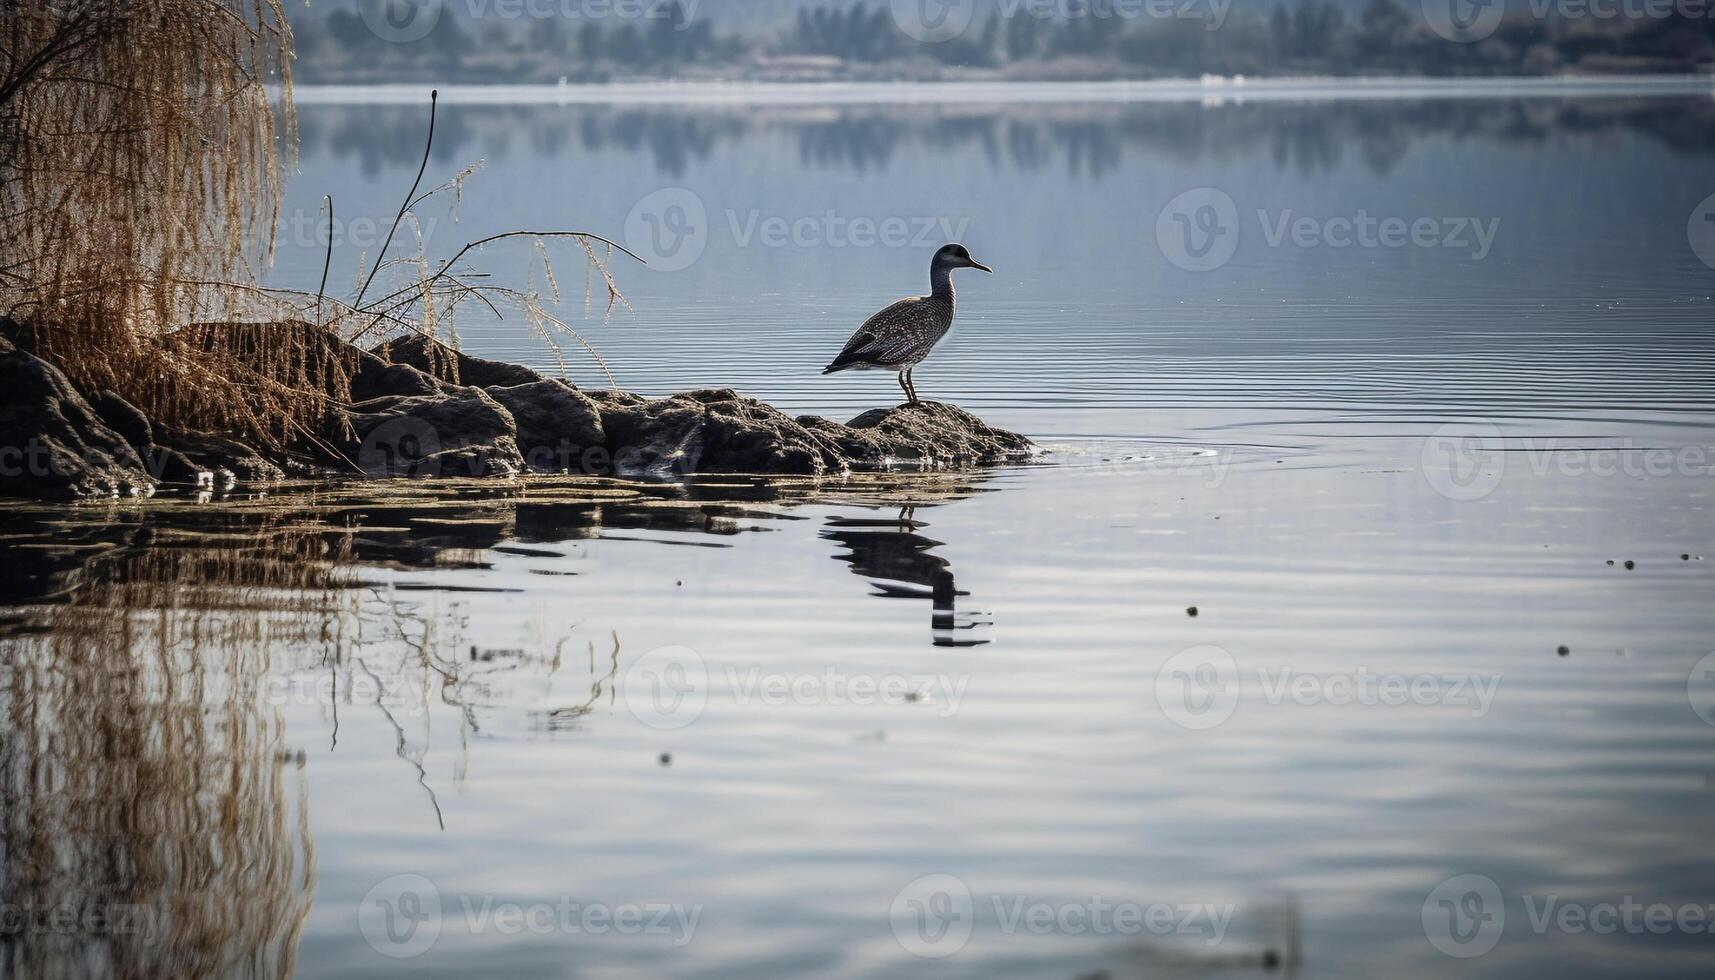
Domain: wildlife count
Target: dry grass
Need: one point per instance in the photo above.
(140, 168)
(143, 171)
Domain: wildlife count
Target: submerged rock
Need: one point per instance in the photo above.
(53, 444)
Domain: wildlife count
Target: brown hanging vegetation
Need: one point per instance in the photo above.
(142, 144)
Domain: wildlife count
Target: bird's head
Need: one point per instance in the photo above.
(957, 257)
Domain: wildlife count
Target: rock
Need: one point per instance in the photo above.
(455, 432)
(228, 459)
(930, 434)
(375, 378)
(172, 466)
(56, 445)
(408, 418)
(440, 361)
(720, 431)
(124, 418)
(557, 429)
(711, 431)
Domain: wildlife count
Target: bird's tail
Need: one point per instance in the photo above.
(836, 366)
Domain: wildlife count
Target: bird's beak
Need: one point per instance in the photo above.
(978, 265)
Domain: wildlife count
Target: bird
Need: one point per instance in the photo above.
(900, 336)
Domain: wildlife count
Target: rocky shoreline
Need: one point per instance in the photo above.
(407, 417)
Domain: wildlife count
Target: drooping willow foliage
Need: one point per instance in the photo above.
(140, 165)
(142, 144)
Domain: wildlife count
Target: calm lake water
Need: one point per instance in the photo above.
(1356, 622)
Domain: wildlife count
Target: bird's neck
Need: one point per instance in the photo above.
(941, 284)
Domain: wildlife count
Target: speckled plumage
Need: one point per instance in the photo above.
(903, 333)
(899, 336)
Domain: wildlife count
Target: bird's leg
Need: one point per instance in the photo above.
(911, 387)
(905, 386)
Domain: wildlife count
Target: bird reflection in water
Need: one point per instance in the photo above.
(898, 562)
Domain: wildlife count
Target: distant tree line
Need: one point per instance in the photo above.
(862, 40)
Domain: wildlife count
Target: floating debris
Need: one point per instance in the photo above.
(1564, 650)
(1191, 611)
(666, 758)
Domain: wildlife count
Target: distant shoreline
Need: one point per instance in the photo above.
(1211, 89)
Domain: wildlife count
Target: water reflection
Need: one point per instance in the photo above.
(1088, 141)
(897, 561)
(154, 819)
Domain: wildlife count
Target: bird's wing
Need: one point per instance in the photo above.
(875, 341)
